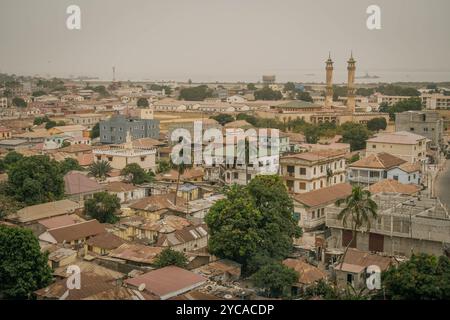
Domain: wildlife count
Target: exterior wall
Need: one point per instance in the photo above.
(365, 175)
(119, 160)
(427, 124)
(192, 245)
(315, 175)
(115, 129)
(410, 152)
(404, 177)
(309, 218)
(126, 196)
(88, 121)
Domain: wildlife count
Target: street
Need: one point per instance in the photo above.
(443, 185)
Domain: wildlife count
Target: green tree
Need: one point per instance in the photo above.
(278, 226)
(101, 90)
(267, 93)
(275, 279)
(23, 268)
(142, 103)
(423, 277)
(2, 166)
(358, 210)
(12, 158)
(136, 175)
(376, 124)
(103, 207)
(169, 257)
(36, 179)
(395, 90)
(39, 93)
(289, 86)
(355, 134)
(69, 164)
(50, 124)
(19, 102)
(251, 86)
(8, 205)
(304, 96)
(163, 166)
(198, 93)
(233, 226)
(223, 118)
(95, 132)
(100, 169)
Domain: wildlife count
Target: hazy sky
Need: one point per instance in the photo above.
(220, 39)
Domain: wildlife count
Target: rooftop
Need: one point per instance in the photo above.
(381, 160)
(400, 137)
(308, 274)
(75, 231)
(44, 210)
(393, 186)
(167, 282)
(76, 182)
(324, 196)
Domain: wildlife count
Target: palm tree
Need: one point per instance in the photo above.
(100, 169)
(359, 209)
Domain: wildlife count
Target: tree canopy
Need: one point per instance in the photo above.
(253, 219)
(23, 268)
(401, 106)
(169, 257)
(142, 103)
(136, 175)
(275, 279)
(423, 277)
(103, 207)
(198, 93)
(35, 180)
(377, 124)
(19, 102)
(267, 93)
(223, 118)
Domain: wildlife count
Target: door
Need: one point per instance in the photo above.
(376, 242)
(347, 237)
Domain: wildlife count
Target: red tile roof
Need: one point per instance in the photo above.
(324, 196)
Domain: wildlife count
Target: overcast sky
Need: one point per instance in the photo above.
(176, 39)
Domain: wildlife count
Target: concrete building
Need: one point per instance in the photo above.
(436, 101)
(119, 156)
(425, 123)
(304, 172)
(406, 145)
(86, 119)
(405, 225)
(114, 130)
(310, 207)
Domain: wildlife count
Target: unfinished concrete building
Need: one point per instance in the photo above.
(405, 225)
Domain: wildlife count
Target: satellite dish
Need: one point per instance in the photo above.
(228, 296)
(141, 287)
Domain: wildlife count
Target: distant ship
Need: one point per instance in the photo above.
(367, 76)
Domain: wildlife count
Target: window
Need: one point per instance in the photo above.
(302, 186)
(411, 129)
(142, 158)
(395, 178)
(349, 278)
(321, 169)
(374, 146)
(302, 171)
(314, 170)
(99, 158)
(313, 214)
(235, 175)
(290, 170)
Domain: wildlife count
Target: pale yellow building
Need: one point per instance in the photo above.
(405, 145)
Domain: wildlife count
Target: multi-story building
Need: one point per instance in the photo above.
(114, 130)
(86, 119)
(406, 145)
(304, 172)
(435, 101)
(425, 123)
(3, 102)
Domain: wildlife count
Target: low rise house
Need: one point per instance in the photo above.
(5, 133)
(56, 222)
(393, 186)
(310, 207)
(353, 270)
(167, 282)
(125, 191)
(136, 254)
(308, 275)
(79, 187)
(187, 239)
(61, 257)
(156, 206)
(223, 270)
(103, 243)
(188, 192)
(71, 130)
(74, 234)
(30, 216)
(379, 166)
